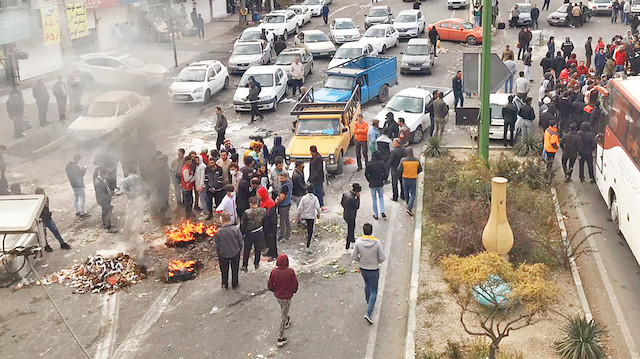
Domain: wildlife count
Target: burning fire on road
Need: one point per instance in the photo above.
(188, 233)
(178, 270)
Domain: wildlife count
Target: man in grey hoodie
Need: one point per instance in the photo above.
(369, 254)
(228, 241)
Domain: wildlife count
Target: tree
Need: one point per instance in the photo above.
(529, 297)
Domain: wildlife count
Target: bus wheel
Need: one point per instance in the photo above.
(615, 211)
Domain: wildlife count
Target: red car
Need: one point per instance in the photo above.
(456, 29)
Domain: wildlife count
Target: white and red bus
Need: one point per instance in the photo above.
(617, 162)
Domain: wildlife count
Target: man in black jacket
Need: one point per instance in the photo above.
(350, 204)
(316, 175)
(375, 175)
(245, 191)
(41, 94)
(456, 84)
(299, 184)
(567, 48)
(75, 174)
(433, 37)
(577, 111)
(391, 126)
(104, 193)
(523, 42)
(570, 144)
(48, 222)
(213, 184)
(528, 115)
(564, 111)
(397, 153)
(510, 115)
(586, 151)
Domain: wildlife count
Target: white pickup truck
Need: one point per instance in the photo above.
(412, 104)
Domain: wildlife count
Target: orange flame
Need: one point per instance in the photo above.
(187, 230)
(177, 265)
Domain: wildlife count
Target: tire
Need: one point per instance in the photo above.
(226, 83)
(207, 96)
(384, 49)
(383, 95)
(297, 28)
(275, 104)
(402, 72)
(418, 135)
(285, 34)
(471, 40)
(615, 211)
(429, 71)
(449, 7)
(340, 168)
(311, 69)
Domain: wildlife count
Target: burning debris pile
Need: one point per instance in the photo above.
(188, 233)
(99, 274)
(178, 270)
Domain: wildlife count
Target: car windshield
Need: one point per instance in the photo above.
(344, 25)
(496, 111)
(374, 32)
(265, 80)
(311, 38)
(406, 18)
(347, 53)
(273, 19)
(297, 10)
(378, 13)
(417, 50)
(191, 75)
(321, 126)
(251, 35)
(467, 25)
(100, 109)
(312, 2)
(247, 49)
(287, 59)
(339, 82)
(132, 62)
(405, 103)
(524, 8)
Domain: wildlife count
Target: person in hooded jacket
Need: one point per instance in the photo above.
(244, 191)
(309, 210)
(383, 145)
(270, 222)
(228, 242)
(374, 173)
(283, 282)
(571, 144)
(586, 151)
(351, 203)
(368, 252)
(391, 126)
(278, 150)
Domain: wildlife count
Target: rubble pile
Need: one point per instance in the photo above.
(101, 275)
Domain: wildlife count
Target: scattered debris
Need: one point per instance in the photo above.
(178, 270)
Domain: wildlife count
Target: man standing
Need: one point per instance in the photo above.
(103, 197)
(187, 183)
(368, 252)
(223, 163)
(513, 18)
(228, 204)
(200, 26)
(133, 188)
(588, 51)
(375, 175)
(551, 144)
(284, 284)
(48, 222)
(309, 211)
(361, 130)
(296, 69)
(586, 151)
(253, 232)
(75, 174)
(176, 170)
(214, 187)
(299, 184)
(15, 110)
(523, 86)
(567, 48)
(456, 83)
(404, 133)
(626, 12)
(511, 66)
(615, 9)
(535, 14)
(325, 13)
(316, 175)
(433, 38)
(410, 167)
(41, 94)
(526, 59)
(283, 201)
(199, 185)
(523, 42)
(507, 54)
(395, 157)
(274, 177)
(60, 93)
(527, 114)
(440, 114)
(228, 241)
(253, 97)
(279, 45)
(393, 130)
(221, 127)
(570, 144)
(351, 203)
(509, 114)
(372, 135)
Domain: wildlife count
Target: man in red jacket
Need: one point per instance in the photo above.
(187, 182)
(283, 283)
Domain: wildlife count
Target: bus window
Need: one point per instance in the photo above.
(633, 139)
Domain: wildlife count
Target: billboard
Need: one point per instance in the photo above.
(77, 19)
(50, 25)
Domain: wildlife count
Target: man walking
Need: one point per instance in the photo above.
(283, 201)
(75, 174)
(440, 114)
(104, 195)
(395, 157)
(60, 93)
(375, 175)
(309, 211)
(523, 86)
(570, 144)
(456, 83)
(41, 94)
(527, 116)
(351, 203)
(252, 229)
(221, 127)
(586, 151)
(410, 167)
(228, 241)
(361, 130)
(551, 144)
(523, 42)
(284, 284)
(535, 14)
(368, 252)
(316, 175)
(48, 222)
(526, 59)
(325, 13)
(297, 73)
(588, 51)
(545, 5)
(433, 38)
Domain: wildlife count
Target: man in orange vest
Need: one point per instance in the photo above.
(187, 182)
(361, 132)
(551, 143)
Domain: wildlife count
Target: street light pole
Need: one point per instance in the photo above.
(485, 75)
(171, 27)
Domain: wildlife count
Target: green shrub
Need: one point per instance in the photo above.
(582, 339)
(529, 144)
(436, 147)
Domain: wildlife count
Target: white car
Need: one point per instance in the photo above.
(113, 113)
(317, 42)
(280, 22)
(254, 34)
(303, 14)
(601, 6)
(117, 68)
(315, 6)
(288, 56)
(381, 37)
(410, 104)
(198, 82)
(273, 83)
(349, 51)
(457, 4)
(247, 54)
(343, 30)
(409, 23)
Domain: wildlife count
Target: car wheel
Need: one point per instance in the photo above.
(383, 95)
(417, 135)
(207, 96)
(275, 104)
(384, 49)
(285, 34)
(449, 7)
(311, 68)
(402, 72)
(471, 40)
(340, 165)
(226, 82)
(429, 71)
(297, 29)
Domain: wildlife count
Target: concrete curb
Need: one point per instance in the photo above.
(574, 268)
(410, 343)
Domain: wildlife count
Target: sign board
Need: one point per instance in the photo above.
(14, 25)
(472, 74)
(77, 19)
(50, 25)
(101, 4)
(467, 116)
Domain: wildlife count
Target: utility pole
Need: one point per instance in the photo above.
(485, 75)
(66, 47)
(171, 27)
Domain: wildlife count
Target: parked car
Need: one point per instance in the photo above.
(457, 4)
(247, 54)
(303, 14)
(113, 113)
(118, 68)
(349, 51)
(316, 41)
(559, 17)
(273, 81)
(381, 37)
(409, 23)
(198, 82)
(378, 15)
(254, 34)
(315, 6)
(524, 18)
(455, 29)
(599, 7)
(280, 22)
(417, 56)
(343, 30)
(288, 56)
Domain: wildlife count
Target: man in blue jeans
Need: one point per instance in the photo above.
(456, 83)
(410, 167)
(48, 222)
(75, 174)
(368, 252)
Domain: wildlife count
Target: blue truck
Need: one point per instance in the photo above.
(373, 74)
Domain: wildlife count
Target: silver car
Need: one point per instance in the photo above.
(417, 56)
(378, 15)
(287, 56)
(247, 54)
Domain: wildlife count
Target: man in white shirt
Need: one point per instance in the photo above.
(228, 204)
(522, 86)
(296, 69)
(199, 183)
